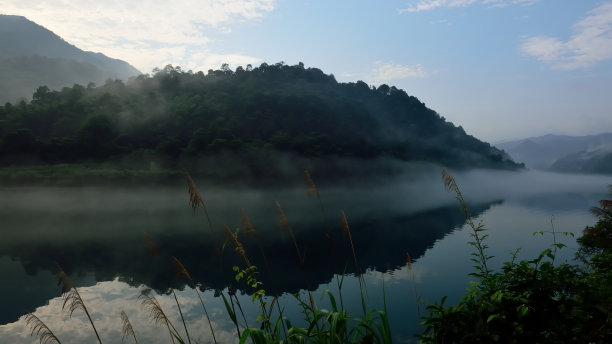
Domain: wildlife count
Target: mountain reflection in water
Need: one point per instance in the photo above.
(96, 235)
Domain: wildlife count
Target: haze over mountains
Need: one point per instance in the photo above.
(271, 120)
(31, 56)
(385, 122)
(562, 153)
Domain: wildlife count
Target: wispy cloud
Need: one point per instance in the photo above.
(426, 5)
(145, 33)
(107, 299)
(590, 43)
(384, 72)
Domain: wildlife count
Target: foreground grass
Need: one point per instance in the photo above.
(536, 300)
(528, 301)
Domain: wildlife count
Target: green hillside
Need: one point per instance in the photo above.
(179, 119)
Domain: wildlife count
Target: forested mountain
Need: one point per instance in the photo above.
(31, 55)
(589, 161)
(591, 153)
(183, 118)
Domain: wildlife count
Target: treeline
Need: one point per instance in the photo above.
(179, 115)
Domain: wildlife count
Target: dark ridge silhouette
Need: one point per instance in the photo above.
(238, 122)
(131, 260)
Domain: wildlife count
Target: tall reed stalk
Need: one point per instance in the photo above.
(195, 200)
(251, 278)
(346, 231)
(178, 305)
(44, 334)
(157, 314)
(182, 272)
(155, 252)
(313, 190)
(72, 298)
(284, 224)
(127, 328)
(478, 231)
(245, 222)
(249, 229)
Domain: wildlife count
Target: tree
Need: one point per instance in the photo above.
(96, 137)
(41, 94)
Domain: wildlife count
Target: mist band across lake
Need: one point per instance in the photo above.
(96, 235)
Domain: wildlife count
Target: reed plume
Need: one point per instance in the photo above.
(477, 230)
(312, 187)
(408, 261)
(195, 200)
(346, 231)
(72, 298)
(182, 272)
(237, 245)
(251, 270)
(604, 210)
(245, 222)
(314, 191)
(44, 334)
(127, 328)
(151, 245)
(249, 228)
(157, 314)
(284, 224)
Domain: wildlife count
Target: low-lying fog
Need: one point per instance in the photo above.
(415, 192)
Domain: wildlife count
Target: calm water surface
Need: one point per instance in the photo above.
(96, 235)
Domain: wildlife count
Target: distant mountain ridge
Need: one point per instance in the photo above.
(32, 56)
(590, 153)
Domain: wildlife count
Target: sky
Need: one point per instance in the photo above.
(501, 69)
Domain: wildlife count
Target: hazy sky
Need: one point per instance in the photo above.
(502, 69)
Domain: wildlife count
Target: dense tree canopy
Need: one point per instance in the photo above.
(181, 115)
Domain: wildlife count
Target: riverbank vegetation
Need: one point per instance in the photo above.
(536, 300)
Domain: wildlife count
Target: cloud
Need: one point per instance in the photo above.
(205, 60)
(146, 33)
(385, 72)
(590, 43)
(426, 5)
(504, 3)
(106, 300)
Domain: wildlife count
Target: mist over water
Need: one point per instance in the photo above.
(96, 234)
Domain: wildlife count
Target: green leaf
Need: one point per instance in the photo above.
(522, 310)
(491, 317)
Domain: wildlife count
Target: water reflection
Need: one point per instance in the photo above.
(106, 300)
(97, 235)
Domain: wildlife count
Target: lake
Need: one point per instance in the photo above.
(96, 234)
